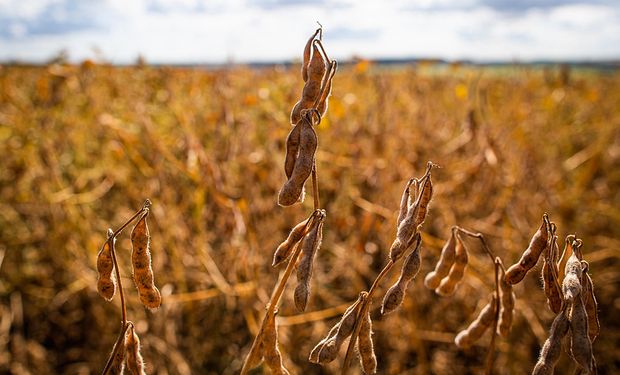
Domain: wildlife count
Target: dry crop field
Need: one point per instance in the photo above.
(83, 147)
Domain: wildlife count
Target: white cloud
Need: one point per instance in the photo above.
(181, 31)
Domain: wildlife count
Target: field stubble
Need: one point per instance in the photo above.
(83, 146)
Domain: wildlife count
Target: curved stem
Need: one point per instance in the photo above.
(147, 205)
(363, 310)
(479, 236)
(272, 305)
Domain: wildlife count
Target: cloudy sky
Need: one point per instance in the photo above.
(216, 31)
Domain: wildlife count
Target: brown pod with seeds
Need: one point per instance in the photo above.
(306, 59)
(365, 347)
(106, 281)
(566, 253)
(551, 286)
(447, 286)
(594, 326)
(416, 211)
(326, 89)
(141, 264)
(286, 247)
(273, 358)
(411, 266)
(530, 256)
(292, 189)
(552, 348)
(580, 344)
(292, 149)
(426, 194)
(506, 307)
(446, 260)
(571, 286)
(135, 362)
(312, 89)
(475, 330)
(118, 362)
(310, 246)
(327, 350)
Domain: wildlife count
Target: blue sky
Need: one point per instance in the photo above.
(193, 31)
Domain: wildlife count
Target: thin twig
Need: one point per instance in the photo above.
(272, 305)
(147, 205)
(479, 236)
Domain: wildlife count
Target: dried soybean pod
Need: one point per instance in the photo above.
(106, 281)
(273, 358)
(118, 363)
(329, 349)
(446, 260)
(141, 264)
(571, 286)
(311, 244)
(285, 248)
(589, 299)
(506, 309)
(307, 50)
(566, 253)
(552, 348)
(475, 330)
(291, 191)
(426, 194)
(312, 89)
(135, 363)
(314, 354)
(326, 89)
(530, 256)
(551, 286)
(292, 149)
(365, 347)
(416, 211)
(447, 286)
(411, 266)
(580, 345)
(402, 211)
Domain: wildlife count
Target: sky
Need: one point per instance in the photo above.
(219, 31)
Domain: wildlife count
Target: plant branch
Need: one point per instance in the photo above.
(146, 206)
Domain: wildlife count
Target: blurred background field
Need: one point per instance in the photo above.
(84, 145)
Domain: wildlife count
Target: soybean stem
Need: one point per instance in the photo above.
(275, 297)
(146, 206)
(480, 236)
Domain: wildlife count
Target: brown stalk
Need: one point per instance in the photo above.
(274, 301)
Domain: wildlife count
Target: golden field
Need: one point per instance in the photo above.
(83, 146)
